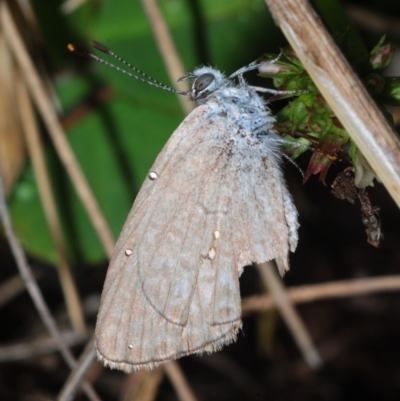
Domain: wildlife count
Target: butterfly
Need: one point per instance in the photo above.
(214, 201)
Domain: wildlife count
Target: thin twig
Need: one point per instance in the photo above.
(143, 385)
(168, 50)
(289, 314)
(55, 130)
(178, 380)
(70, 6)
(341, 88)
(371, 21)
(12, 287)
(12, 145)
(33, 349)
(36, 152)
(317, 292)
(395, 112)
(75, 379)
(32, 287)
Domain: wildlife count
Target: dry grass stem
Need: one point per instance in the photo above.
(36, 152)
(284, 304)
(395, 112)
(341, 88)
(70, 6)
(12, 146)
(53, 125)
(317, 292)
(37, 348)
(179, 382)
(373, 22)
(11, 288)
(143, 385)
(168, 50)
(76, 377)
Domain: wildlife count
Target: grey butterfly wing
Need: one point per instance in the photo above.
(172, 286)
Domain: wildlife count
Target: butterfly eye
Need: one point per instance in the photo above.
(203, 82)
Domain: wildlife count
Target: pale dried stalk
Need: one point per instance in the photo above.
(35, 150)
(317, 292)
(70, 6)
(178, 380)
(55, 130)
(37, 348)
(75, 379)
(12, 145)
(168, 50)
(11, 288)
(296, 326)
(373, 22)
(395, 112)
(143, 385)
(341, 88)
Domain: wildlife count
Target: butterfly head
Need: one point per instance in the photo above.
(206, 80)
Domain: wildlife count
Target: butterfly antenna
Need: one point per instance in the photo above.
(104, 49)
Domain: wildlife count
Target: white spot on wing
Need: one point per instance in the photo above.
(211, 253)
(128, 252)
(153, 175)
